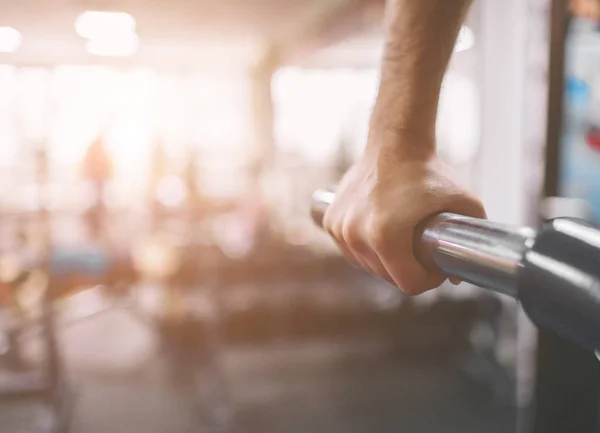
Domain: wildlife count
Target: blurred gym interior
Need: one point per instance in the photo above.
(159, 270)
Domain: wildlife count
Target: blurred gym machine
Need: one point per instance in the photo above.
(553, 273)
(567, 377)
(47, 383)
(40, 278)
(187, 274)
(191, 346)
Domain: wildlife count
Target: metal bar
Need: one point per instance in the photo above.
(553, 272)
(567, 377)
(477, 251)
(480, 252)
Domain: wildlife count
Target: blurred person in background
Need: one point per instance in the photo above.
(586, 8)
(400, 181)
(98, 170)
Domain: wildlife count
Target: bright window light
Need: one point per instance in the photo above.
(465, 40)
(116, 46)
(10, 40)
(171, 191)
(102, 25)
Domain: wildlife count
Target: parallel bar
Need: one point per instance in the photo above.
(480, 252)
(477, 251)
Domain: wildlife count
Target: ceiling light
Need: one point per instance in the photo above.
(99, 25)
(10, 40)
(465, 40)
(120, 46)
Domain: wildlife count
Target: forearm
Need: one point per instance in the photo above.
(420, 38)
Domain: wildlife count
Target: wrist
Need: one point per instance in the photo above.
(405, 111)
(400, 144)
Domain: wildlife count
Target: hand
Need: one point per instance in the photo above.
(379, 204)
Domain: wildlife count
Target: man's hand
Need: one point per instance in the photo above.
(383, 199)
(399, 182)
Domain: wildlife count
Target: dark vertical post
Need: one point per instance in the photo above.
(567, 377)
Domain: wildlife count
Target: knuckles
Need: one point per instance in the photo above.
(360, 225)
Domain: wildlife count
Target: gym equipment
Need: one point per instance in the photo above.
(188, 271)
(554, 273)
(47, 384)
(567, 377)
(45, 280)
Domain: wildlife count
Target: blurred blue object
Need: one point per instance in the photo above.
(91, 261)
(577, 89)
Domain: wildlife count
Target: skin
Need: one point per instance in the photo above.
(399, 181)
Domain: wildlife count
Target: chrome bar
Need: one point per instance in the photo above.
(480, 252)
(477, 251)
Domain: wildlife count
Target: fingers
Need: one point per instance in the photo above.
(333, 224)
(360, 255)
(405, 270)
(374, 224)
(466, 204)
(355, 237)
(348, 254)
(350, 238)
(378, 249)
(387, 254)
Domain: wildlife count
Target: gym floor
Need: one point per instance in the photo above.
(318, 386)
